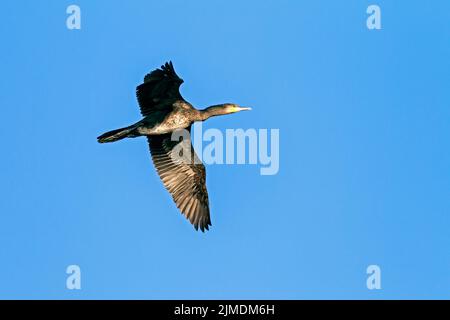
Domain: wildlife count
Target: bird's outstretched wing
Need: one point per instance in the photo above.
(159, 90)
(183, 175)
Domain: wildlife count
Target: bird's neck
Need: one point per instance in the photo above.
(217, 110)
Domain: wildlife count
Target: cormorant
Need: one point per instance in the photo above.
(165, 112)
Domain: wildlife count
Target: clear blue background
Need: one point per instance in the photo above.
(364, 150)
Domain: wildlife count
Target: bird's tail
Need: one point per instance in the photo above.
(115, 135)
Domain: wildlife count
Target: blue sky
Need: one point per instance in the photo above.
(364, 150)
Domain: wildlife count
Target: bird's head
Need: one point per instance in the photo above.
(221, 109)
(233, 108)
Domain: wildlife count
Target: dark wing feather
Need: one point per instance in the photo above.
(184, 176)
(160, 89)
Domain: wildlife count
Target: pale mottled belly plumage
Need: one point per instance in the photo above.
(173, 121)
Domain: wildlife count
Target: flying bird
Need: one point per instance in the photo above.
(165, 112)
